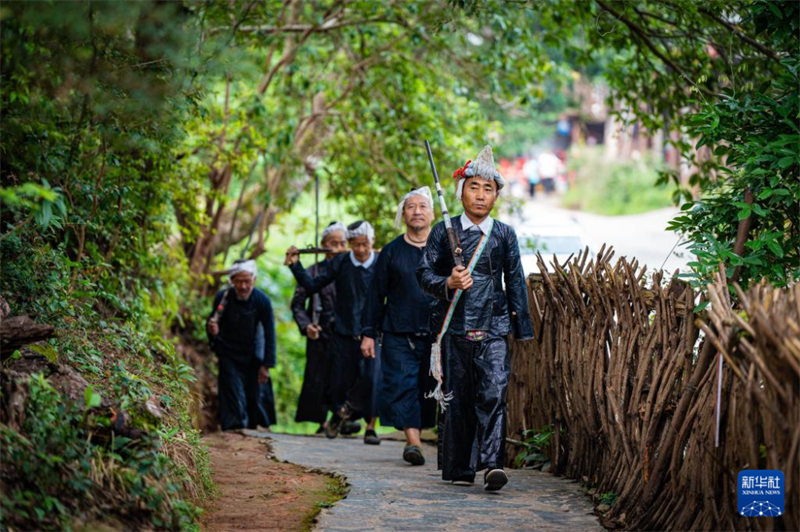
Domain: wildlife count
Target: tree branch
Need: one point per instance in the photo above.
(327, 26)
(642, 36)
(746, 38)
(742, 232)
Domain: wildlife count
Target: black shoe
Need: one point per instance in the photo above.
(336, 421)
(494, 480)
(413, 455)
(350, 427)
(333, 426)
(463, 480)
(371, 438)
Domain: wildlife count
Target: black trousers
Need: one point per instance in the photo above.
(240, 399)
(355, 379)
(476, 373)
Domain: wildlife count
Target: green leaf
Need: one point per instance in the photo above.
(775, 11)
(744, 213)
(775, 248)
(91, 399)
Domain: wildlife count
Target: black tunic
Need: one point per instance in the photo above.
(237, 328)
(351, 283)
(395, 302)
(486, 306)
(302, 304)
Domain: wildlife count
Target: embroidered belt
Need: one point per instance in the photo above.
(476, 336)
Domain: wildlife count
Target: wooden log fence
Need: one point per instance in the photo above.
(625, 373)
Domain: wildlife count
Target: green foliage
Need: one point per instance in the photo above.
(613, 187)
(608, 497)
(755, 139)
(91, 96)
(62, 461)
(725, 76)
(355, 100)
(534, 454)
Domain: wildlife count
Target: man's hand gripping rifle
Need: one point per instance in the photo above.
(460, 277)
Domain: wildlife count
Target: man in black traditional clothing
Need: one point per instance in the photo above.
(244, 362)
(355, 379)
(398, 311)
(314, 318)
(472, 319)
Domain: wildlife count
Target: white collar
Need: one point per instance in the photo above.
(366, 264)
(466, 224)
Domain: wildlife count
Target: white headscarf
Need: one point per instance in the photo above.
(424, 192)
(360, 228)
(240, 266)
(332, 228)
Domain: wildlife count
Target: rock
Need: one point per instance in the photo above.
(153, 405)
(69, 382)
(5, 310)
(603, 508)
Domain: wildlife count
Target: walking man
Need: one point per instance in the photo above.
(397, 310)
(314, 318)
(355, 378)
(243, 368)
(472, 319)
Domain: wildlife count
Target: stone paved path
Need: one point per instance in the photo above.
(388, 494)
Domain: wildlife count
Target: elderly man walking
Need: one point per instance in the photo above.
(478, 306)
(397, 311)
(314, 318)
(232, 327)
(355, 379)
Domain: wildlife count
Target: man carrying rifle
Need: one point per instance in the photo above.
(355, 379)
(471, 320)
(314, 317)
(242, 367)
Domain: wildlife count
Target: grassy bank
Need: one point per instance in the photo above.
(95, 429)
(611, 187)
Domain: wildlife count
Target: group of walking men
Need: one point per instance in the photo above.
(377, 323)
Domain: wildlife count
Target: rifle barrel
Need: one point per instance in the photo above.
(455, 245)
(314, 250)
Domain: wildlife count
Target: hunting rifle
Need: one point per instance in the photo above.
(316, 299)
(455, 245)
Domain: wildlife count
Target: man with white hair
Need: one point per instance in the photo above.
(314, 318)
(354, 383)
(243, 368)
(398, 311)
(472, 319)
